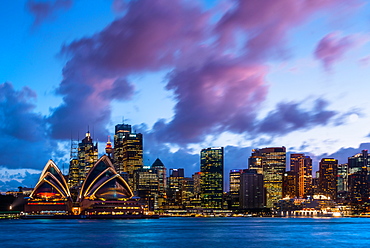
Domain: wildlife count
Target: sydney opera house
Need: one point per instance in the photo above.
(104, 192)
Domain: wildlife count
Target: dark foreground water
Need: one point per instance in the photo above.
(187, 232)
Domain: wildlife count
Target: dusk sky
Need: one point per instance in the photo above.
(187, 74)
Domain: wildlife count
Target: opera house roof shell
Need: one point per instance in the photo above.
(51, 185)
(104, 183)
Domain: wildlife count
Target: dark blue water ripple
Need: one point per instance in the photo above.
(187, 232)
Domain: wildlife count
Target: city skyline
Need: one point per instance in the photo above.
(185, 75)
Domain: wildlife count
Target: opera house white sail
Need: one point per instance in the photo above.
(51, 193)
(103, 192)
(104, 183)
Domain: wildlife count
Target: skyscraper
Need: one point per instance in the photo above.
(328, 172)
(234, 190)
(128, 151)
(255, 161)
(342, 178)
(161, 171)
(174, 187)
(301, 166)
(146, 184)
(212, 177)
(87, 156)
(273, 161)
(251, 190)
(358, 177)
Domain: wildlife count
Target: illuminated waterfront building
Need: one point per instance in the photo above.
(358, 177)
(87, 156)
(301, 166)
(342, 182)
(104, 191)
(128, 151)
(174, 188)
(51, 193)
(74, 169)
(251, 190)
(197, 182)
(255, 161)
(358, 162)
(147, 187)
(273, 161)
(212, 167)
(187, 192)
(234, 188)
(328, 172)
(290, 185)
(161, 171)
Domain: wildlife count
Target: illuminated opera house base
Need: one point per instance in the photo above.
(103, 193)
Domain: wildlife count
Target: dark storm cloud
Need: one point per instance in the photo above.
(46, 10)
(23, 133)
(290, 116)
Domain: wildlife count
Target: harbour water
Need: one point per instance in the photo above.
(187, 232)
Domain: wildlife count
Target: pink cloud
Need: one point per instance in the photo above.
(215, 90)
(221, 95)
(151, 36)
(266, 23)
(331, 49)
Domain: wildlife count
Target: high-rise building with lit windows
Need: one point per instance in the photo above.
(212, 177)
(273, 161)
(161, 171)
(255, 161)
(301, 166)
(174, 187)
(128, 151)
(358, 177)
(234, 190)
(328, 172)
(87, 156)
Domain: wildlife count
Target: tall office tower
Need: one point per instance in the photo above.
(234, 190)
(73, 173)
(301, 165)
(174, 187)
(273, 161)
(161, 171)
(358, 162)
(128, 151)
(197, 179)
(87, 156)
(251, 190)
(147, 187)
(187, 192)
(342, 183)
(358, 176)
(290, 184)
(212, 177)
(255, 161)
(328, 172)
